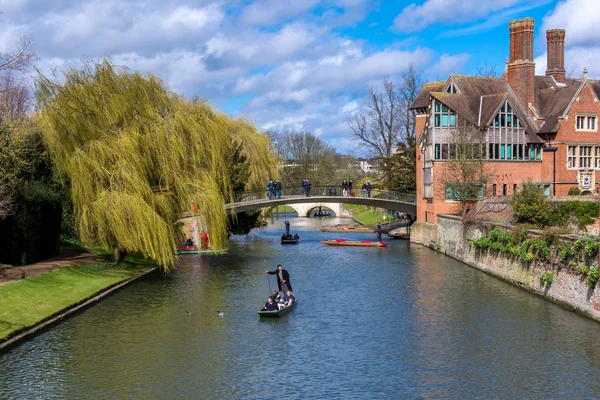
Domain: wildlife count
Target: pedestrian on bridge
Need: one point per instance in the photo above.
(368, 189)
(364, 189)
(278, 188)
(345, 188)
(271, 189)
(350, 191)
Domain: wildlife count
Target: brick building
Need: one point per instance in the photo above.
(540, 127)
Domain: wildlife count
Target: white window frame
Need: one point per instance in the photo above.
(585, 156)
(586, 119)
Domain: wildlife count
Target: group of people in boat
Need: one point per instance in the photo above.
(278, 301)
(287, 234)
(283, 297)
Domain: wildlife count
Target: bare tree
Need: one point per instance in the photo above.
(377, 127)
(465, 173)
(386, 128)
(312, 158)
(487, 71)
(15, 98)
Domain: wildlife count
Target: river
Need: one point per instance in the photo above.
(397, 322)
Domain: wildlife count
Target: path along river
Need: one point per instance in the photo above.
(399, 322)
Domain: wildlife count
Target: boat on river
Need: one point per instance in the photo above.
(195, 250)
(289, 239)
(362, 243)
(346, 228)
(277, 313)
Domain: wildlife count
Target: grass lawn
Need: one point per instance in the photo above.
(25, 303)
(369, 215)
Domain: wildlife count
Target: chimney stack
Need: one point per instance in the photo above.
(521, 68)
(556, 54)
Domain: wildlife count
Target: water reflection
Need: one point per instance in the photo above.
(371, 323)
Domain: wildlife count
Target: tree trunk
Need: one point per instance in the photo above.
(119, 255)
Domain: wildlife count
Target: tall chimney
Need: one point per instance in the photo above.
(556, 54)
(521, 67)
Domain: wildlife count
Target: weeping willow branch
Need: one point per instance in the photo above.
(137, 155)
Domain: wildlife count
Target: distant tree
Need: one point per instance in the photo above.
(14, 88)
(386, 129)
(313, 158)
(487, 71)
(465, 173)
(15, 144)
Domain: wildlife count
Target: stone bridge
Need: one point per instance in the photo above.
(327, 196)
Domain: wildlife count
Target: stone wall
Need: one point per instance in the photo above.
(454, 238)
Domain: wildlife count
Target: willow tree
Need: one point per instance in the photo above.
(137, 155)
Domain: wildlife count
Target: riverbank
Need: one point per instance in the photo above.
(369, 216)
(548, 278)
(60, 286)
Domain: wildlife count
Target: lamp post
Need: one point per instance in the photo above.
(549, 148)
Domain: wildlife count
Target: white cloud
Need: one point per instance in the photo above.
(581, 21)
(415, 17)
(270, 12)
(447, 64)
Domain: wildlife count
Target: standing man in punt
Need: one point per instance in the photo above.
(283, 277)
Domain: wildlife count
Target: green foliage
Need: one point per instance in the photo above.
(584, 270)
(591, 248)
(593, 276)
(566, 251)
(578, 246)
(583, 213)
(546, 277)
(530, 205)
(137, 156)
(574, 191)
(32, 232)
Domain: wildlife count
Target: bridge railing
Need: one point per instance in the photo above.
(330, 191)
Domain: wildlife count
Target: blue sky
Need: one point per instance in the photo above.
(303, 64)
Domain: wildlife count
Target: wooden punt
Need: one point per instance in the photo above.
(363, 243)
(290, 241)
(278, 313)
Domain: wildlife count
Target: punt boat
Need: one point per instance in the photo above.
(344, 242)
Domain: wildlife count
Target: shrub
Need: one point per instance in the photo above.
(574, 191)
(546, 277)
(591, 248)
(530, 205)
(593, 277)
(566, 251)
(584, 270)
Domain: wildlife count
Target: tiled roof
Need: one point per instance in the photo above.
(479, 99)
(422, 99)
(551, 100)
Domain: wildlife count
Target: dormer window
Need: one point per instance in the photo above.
(451, 88)
(443, 116)
(506, 118)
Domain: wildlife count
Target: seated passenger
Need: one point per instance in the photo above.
(270, 305)
(296, 236)
(275, 296)
(288, 299)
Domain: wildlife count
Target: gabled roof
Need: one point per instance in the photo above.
(465, 106)
(552, 100)
(422, 99)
